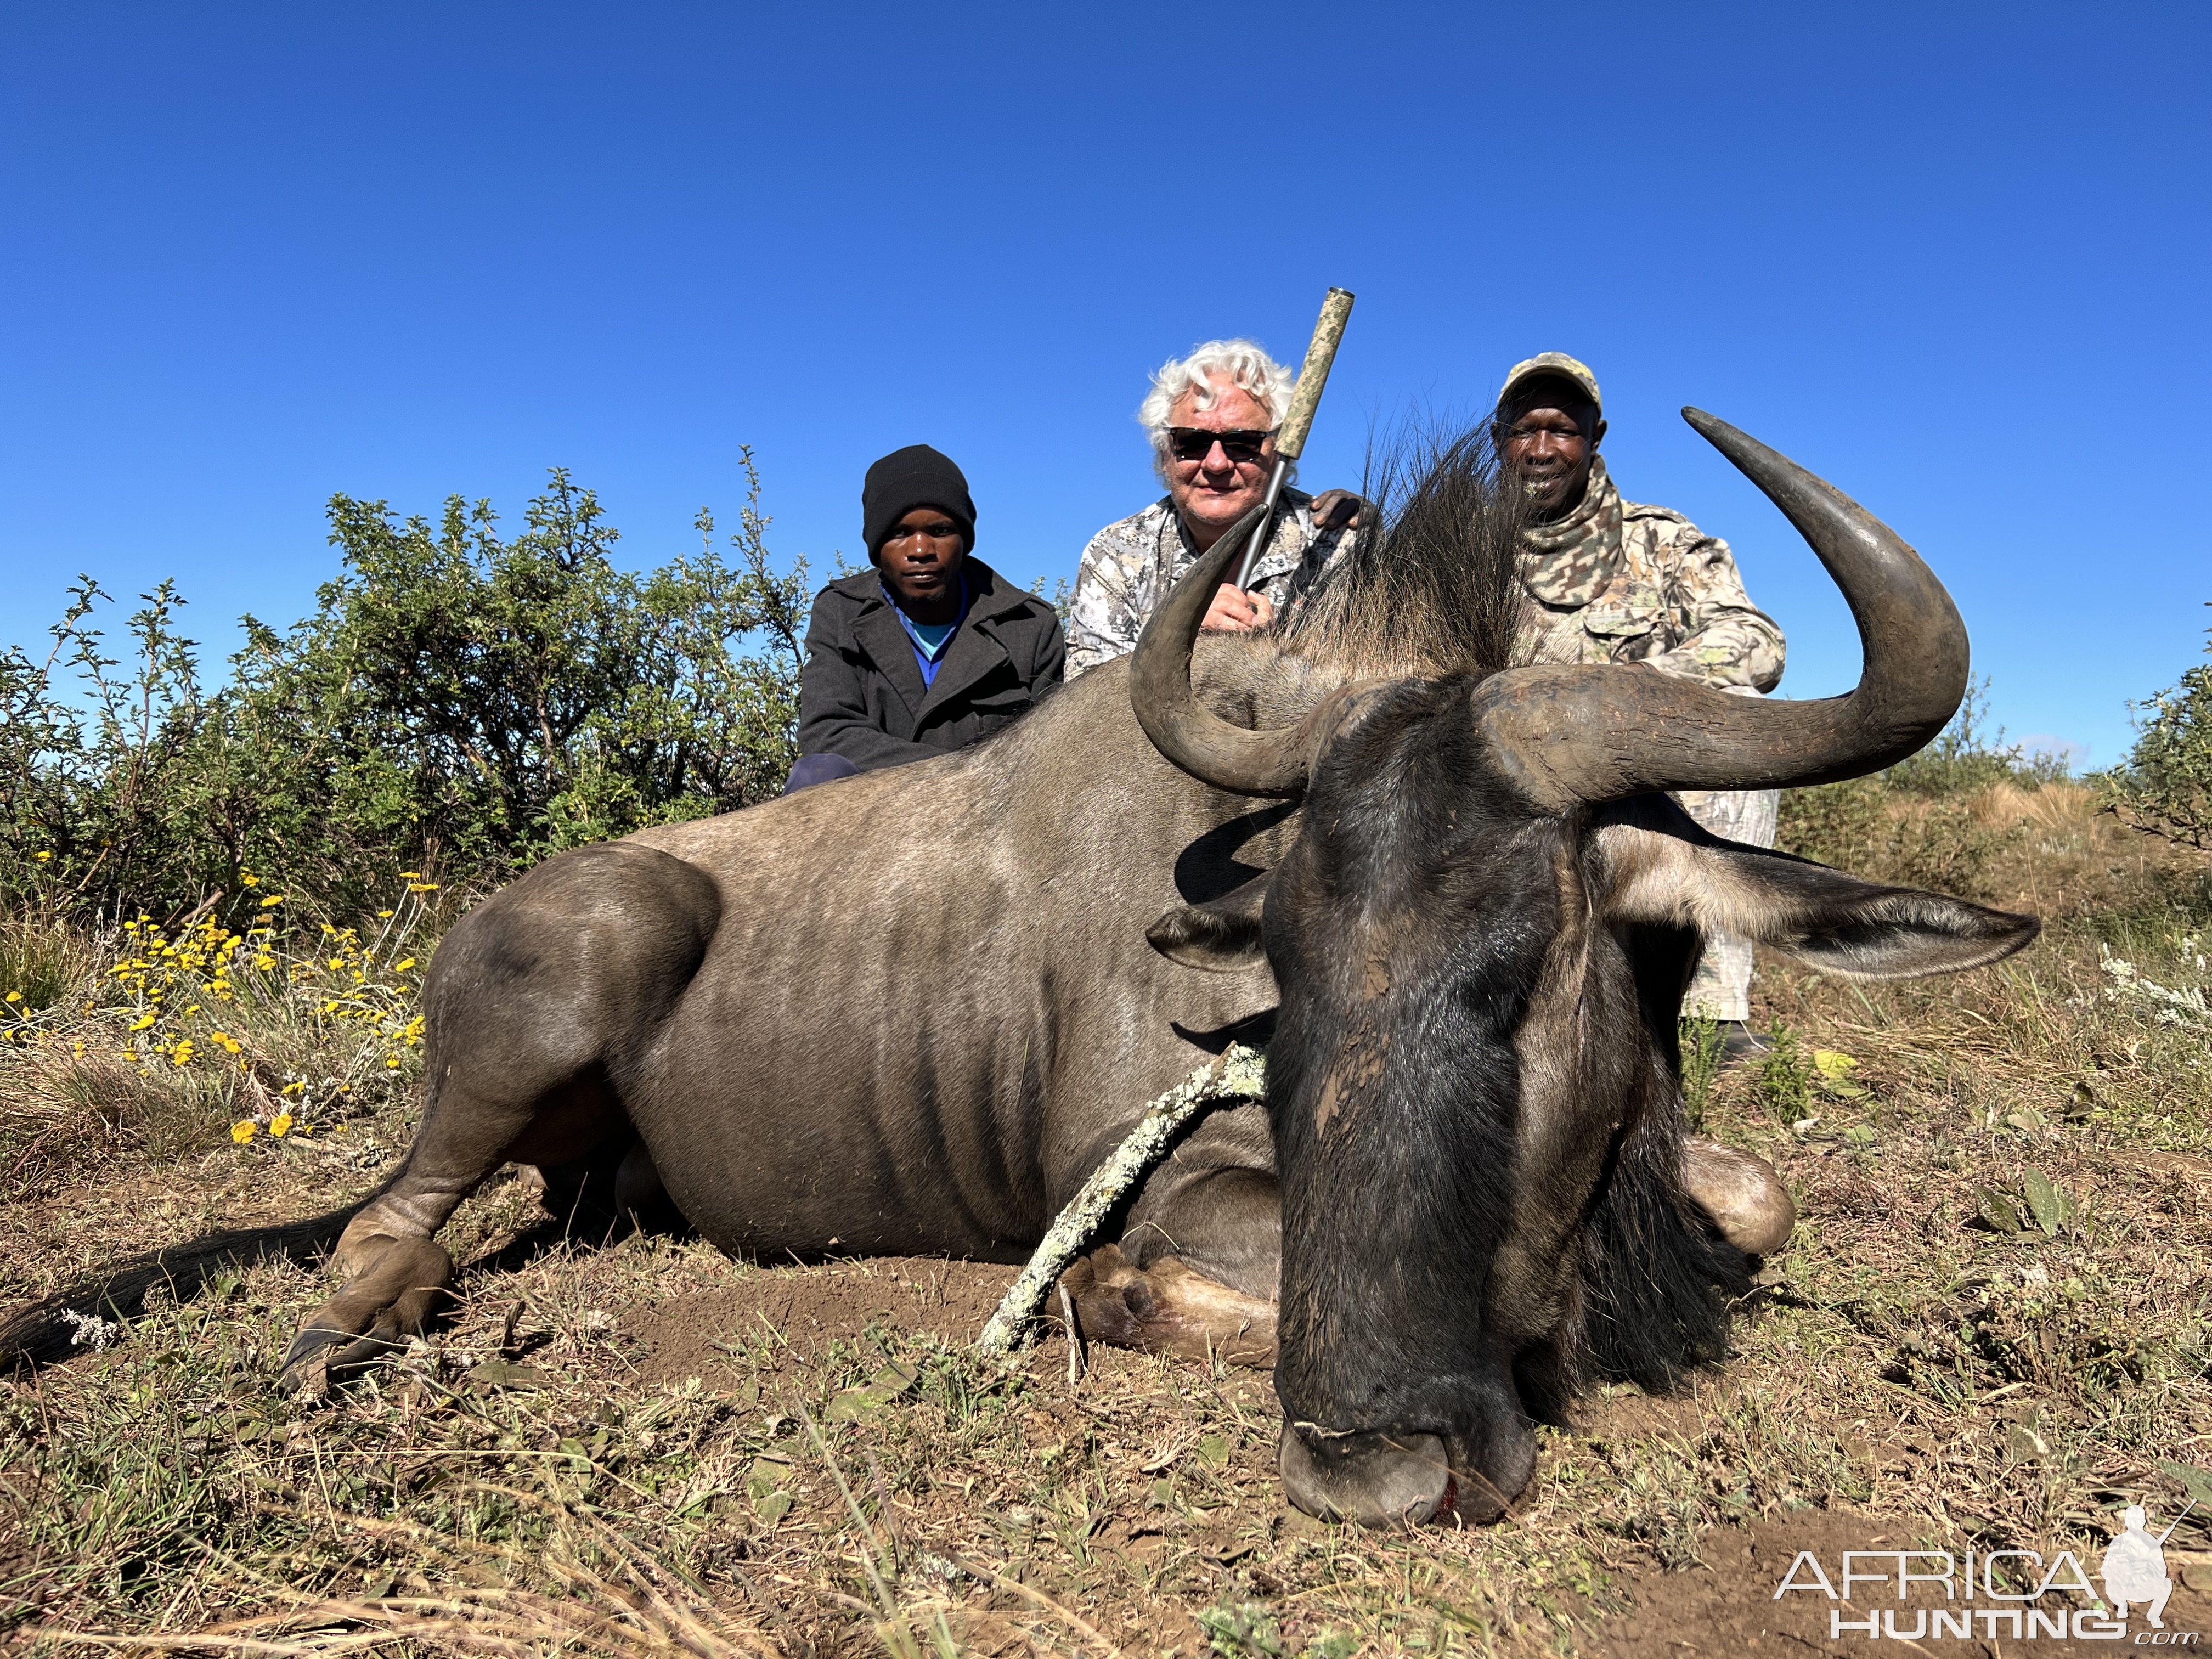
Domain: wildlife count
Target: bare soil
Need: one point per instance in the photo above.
(796, 1316)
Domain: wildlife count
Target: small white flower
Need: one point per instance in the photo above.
(89, 1330)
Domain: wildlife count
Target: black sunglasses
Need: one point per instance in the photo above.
(1195, 443)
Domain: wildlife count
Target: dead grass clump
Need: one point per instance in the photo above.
(42, 960)
(69, 1114)
(1944, 842)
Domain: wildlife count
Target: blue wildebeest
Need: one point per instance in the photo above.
(910, 1012)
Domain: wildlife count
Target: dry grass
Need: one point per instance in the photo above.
(147, 1043)
(544, 1478)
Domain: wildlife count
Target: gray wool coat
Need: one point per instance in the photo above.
(860, 693)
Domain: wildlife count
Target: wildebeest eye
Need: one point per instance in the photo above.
(1220, 938)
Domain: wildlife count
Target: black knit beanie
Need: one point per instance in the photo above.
(916, 476)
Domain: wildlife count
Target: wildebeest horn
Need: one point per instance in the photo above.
(1193, 736)
(1596, 733)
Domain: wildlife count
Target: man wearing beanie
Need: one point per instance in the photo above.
(1611, 580)
(929, 649)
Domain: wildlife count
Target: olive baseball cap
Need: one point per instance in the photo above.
(1555, 363)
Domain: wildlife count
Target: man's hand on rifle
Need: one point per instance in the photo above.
(1236, 611)
(1337, 509)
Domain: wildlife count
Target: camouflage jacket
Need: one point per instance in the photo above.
(1617, 581)
(1132, 564)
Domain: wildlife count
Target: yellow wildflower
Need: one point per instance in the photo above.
(42, 857)
(247, 879)
(273, 898)
(14, 996)
(242, 1131)
(402, 967)
(298, 1088)
(281, 1125)
(184, 1054)
(142, 1022)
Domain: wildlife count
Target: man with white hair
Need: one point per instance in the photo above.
(1213, 417)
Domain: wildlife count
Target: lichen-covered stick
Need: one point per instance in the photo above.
(1236, 1075)
(1290, 436)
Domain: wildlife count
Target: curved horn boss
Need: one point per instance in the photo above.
(1213, 750)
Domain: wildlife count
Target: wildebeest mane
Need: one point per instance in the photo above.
(1436, 589)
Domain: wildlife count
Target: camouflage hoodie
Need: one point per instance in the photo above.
(1619, 581)
(1132, 564)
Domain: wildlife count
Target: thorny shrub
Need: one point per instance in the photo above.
(458, 702)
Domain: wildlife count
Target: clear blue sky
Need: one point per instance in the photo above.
(1953, 257)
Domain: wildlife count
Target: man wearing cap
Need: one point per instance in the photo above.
(929, 649)
(1611, 580)
(1212, 416)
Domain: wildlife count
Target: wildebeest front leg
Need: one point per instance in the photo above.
(534, 1000)
(1168, 1308)
(1194, 1273)
(1741, 1193)
(396, 1272)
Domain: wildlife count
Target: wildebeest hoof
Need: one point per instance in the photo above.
(321, 1358)
(401, 1290)
(306, 1372)
(1741, 1193)
(1168, 1308)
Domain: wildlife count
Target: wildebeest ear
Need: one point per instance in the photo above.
(1676, 873)
(1220, 937)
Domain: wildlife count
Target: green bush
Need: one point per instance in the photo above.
(2165, 787)
(1916, 823)
(458, 704)
(1967, 756)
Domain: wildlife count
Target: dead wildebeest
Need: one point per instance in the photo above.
(910, 1012)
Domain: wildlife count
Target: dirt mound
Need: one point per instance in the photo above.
(789, 1315)
(1728, 1604)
